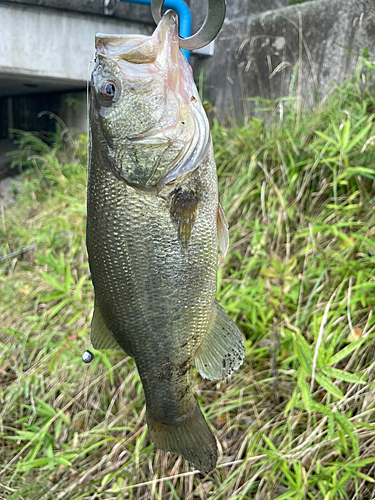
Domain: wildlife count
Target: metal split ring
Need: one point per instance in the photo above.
(209, 30)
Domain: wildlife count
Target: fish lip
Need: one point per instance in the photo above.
(168, 25)
(105, 37)
(133, 49)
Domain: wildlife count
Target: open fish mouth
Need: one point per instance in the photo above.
(149, 107)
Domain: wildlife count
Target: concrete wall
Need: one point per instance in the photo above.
(257, 54)
(47, 49)
(222, 79)
(117, 10)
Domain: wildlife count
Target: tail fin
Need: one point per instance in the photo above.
(190, 437)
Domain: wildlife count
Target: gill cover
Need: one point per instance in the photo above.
(148, 106)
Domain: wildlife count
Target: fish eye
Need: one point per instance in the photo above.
(108, 90)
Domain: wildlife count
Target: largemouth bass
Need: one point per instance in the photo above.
(153, 226)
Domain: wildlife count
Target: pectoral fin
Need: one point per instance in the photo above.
(222, 230)
(101, 337)
(223, 350)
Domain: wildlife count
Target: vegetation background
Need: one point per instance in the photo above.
(297, 420)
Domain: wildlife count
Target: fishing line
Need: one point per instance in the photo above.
(31, 247)
(88, 78)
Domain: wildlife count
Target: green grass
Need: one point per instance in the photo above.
(293, 2)
(297, 420)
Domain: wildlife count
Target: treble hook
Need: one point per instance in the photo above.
(209, 30)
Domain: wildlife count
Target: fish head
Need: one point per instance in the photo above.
(145, 108)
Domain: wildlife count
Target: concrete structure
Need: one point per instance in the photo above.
(44, 49)
(300, 49)
(47, 50)
(45, 56)
(222, 79)
(265, 49)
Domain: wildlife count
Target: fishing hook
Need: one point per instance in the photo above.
(209, 30)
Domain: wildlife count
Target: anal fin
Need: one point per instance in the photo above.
(223, 350)
(101, 337)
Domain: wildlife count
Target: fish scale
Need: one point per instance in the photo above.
(141, 297)
(128, 266)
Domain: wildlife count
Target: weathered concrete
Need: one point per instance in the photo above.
(257, 56)
(222, 80)
(47, 49)
(120, 10)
